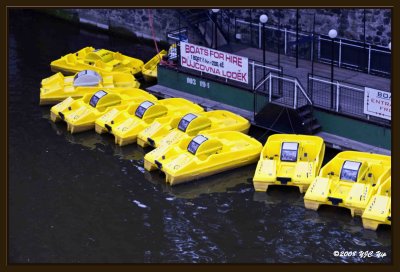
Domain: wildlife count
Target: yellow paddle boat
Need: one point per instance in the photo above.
(127, 124)
(100, 60)
(378, 210)
(289, 159)
(163, 125)
(80, 114)
(193, 123)
(58, 87)
(206, 154)
(149, 69)
(349, 180)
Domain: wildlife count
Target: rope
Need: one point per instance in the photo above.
(152, 29)
(290, 121)
(273, 124)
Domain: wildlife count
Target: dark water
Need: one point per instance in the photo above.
(81, 199)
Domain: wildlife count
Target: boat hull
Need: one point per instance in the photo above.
(179, 179)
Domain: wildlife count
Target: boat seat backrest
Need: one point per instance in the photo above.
(272, 150)
(307, 152)
(71, 59)
(207, 148)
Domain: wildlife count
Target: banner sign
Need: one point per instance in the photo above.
(214, 62)
(378, 103)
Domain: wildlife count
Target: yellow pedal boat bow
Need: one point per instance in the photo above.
(100, 60)
(81, 114)
(205, 122)
(206, 154)
(149, 70)
(289, 159)
(127, 124)
(378, 211)
(349, 180)
(59, 87)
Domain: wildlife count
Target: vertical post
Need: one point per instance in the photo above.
(340, 52)
(365, 48)
(332, 57)
(179, 27)
(229, 27)
(332, 34)
(178, 53)
(214, 20)
(279, 51)
(337, 96)
(215, 29)
(235, 29)
(259, 35)
(319, 47)
(369, 59)
(254, 91)
(295, 95)
(251, 26)
(297, 38)
(252, 76)
(279, 38)
(263, 20)
(390, 75)
(270, 87)
(263, 38)
(312, 48)
(285, 41)
(311, 90)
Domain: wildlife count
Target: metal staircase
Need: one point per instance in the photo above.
(287, 108)
(200, 21)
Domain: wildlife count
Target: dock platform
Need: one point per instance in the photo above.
(334, 141)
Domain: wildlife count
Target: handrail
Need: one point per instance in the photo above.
(294, 80)
(263, 81)
(216, 23)
(303, 91)
(337, 82)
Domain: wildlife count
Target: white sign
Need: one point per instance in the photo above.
(378, 103)
(214, 62)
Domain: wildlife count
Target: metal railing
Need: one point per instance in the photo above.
(356, 55)
(341, 97)
(284, 90)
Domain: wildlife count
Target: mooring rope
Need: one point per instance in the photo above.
(273, 124)
(152, 29)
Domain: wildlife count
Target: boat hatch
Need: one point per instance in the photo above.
(195, 143)
(335, 201)
(350, 170)
(96, 97)
(87, 78)
(185, 121)
(143, 108)
(289, 151)
(151, 142)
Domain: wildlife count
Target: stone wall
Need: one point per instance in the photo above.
(348, 22)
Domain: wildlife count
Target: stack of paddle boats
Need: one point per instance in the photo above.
(190, 143)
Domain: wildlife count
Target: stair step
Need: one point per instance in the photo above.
(305, 112)
(308, 120)
(315, 128)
